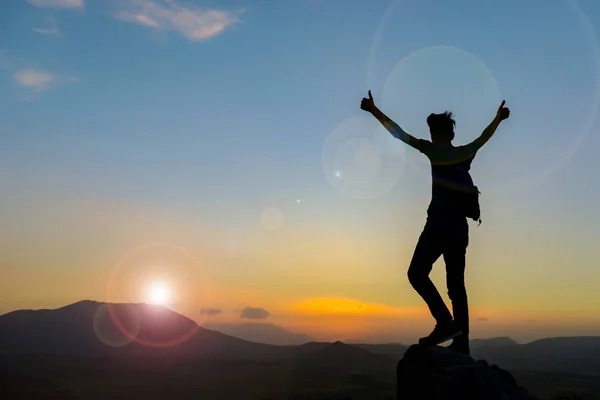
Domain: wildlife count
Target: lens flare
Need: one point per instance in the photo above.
(576, 39)
(109, 333)
(358, 163)
(168, 277)
(417, 86)
(272, 218)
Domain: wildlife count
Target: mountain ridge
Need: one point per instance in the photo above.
(38, 342)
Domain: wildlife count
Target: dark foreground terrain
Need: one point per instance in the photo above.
(56, 354)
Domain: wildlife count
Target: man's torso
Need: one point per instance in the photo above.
(450, 176)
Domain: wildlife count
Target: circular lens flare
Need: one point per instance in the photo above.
(108, 332)
(358, 163)
(162, 275)
(580, 41)
(417, 87)
(272, 218)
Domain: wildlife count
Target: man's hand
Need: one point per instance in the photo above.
(488, 132)
(503, 112)
(368, 104)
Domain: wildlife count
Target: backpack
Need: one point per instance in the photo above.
(468, 196)
(469, 202)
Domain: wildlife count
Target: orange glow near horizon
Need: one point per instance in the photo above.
(349, 307)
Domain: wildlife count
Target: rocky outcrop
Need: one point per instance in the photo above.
(438, 373)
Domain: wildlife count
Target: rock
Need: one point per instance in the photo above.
(438, 373)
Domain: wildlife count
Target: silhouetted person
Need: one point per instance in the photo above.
(454, 198)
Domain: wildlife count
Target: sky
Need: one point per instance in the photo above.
(217, 150)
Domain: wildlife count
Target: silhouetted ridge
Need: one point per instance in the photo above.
(564, 355)
(355, 371)
(502, 341)
(568, 343)
(87, 328)
(393, 350)
(437, 373)
(341, 357)
(310, 347)
(342, 351)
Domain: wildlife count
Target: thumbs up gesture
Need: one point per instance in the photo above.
(503, 112)
(367, 104)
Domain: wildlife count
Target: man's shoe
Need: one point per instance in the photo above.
(460, 346)
(441, 333)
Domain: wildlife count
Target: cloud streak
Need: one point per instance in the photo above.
(57, 3)
(37, 80)
(254, 313)
(210, 311)
(51, 31)
(192, 23)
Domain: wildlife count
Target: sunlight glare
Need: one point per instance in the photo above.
(158, 293)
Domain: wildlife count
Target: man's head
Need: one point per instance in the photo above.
(441, 127)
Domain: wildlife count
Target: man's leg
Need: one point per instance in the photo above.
(455, 259)
(429, 248)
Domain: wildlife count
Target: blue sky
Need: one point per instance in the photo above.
(214, 114)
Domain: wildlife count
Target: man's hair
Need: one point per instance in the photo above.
(442, 125)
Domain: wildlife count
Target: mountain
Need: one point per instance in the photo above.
(392, 350)
(310, 348)
(261, 333)
(397, 350)
(90, 328)
(82, 351)
(565, 355)
(341, 358)
(345, 369)
(503, 341)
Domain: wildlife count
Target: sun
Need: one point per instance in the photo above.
(158, 293)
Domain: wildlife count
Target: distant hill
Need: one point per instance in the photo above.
(492, 342)
(261, 333)
(571, 355)
(395, 351)
(339, 355)
(353, 370)
(88, 328)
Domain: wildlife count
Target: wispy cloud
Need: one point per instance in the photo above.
(35, 79)
(193, 23)
(49, 31)
(210, 311)
(137, 18)
(255, 313)
(58, 3)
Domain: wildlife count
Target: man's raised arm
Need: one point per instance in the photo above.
(502, 114)
(367, 104)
